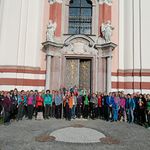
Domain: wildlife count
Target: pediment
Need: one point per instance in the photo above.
(79, 44)
(79, 38)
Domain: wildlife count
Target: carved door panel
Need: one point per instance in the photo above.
(72, 73)
(85, 74)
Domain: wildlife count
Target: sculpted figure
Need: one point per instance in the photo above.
(51, 27)
(106, 29)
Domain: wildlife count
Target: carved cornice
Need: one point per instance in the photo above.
(49, 47)
(106, 49)
(52, 48)
(108, 2)
(106, 45)
(54, 44)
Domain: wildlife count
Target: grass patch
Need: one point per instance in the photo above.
(1, 120)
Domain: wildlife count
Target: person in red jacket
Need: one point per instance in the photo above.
(99, 106)
(39, 103)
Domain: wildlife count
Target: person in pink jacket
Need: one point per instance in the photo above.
(31, 104)
(122, 107)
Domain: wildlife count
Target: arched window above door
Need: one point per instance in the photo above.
(80, 17)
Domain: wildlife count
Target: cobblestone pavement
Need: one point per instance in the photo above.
(21, 135)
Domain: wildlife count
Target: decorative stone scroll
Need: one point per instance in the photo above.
(79, 48)
(108, 2)
(54, 1)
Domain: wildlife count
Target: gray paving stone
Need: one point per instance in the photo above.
(77, 135)
(21, 135)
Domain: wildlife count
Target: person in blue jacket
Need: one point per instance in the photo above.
(130, 107)
(20, 105)
(58, 104)
(116, 107)
(110, 103)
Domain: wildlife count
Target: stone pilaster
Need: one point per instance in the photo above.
(48, 71)
(52, 49)
(105, 52)
(109, 68)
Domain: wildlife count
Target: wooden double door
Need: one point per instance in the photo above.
(78, 72)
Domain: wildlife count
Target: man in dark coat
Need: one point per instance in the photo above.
(7, 107)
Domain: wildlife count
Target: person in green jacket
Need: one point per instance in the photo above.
(148, 108)
(47, 105)
(86, 106)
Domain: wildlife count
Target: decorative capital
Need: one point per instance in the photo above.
(54, 1)
(108, 2)
(105, 46)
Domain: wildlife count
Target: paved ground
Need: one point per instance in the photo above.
(21, 135)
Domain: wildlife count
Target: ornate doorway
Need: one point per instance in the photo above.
(78, 72)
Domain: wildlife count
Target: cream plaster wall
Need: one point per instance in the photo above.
(45, 19)
(21, 27)
(134, 34)
(145, 34)
(115, 23)
(10, 32)
(128, 35)
(121, 34)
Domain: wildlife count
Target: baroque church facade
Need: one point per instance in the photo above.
(97, 45)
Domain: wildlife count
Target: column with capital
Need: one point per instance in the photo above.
(109, 67)
(48, 71)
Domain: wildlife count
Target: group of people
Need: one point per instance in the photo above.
(75, 103)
